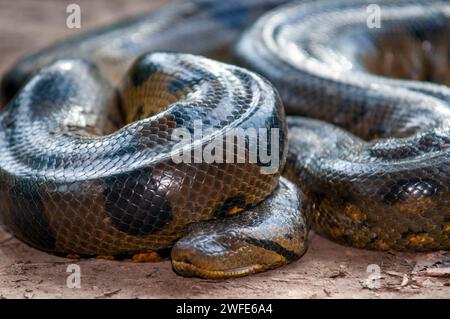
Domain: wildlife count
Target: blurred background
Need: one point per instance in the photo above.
(328, 270)
(27, 25)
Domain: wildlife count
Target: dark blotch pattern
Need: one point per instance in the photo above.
(137, 203)
(141, 71)
(273, 246)
(230, 203)
(28, 216)
(371, 153)
(403, 190)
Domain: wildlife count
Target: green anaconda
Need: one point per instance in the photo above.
(100, 153)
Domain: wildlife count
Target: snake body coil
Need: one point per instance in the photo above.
(387, 185)
(87, 148)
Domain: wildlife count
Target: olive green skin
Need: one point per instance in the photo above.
(86, 165)
(381, 180)
(73, 184)
(86, 141)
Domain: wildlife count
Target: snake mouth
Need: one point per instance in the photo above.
(188, 269)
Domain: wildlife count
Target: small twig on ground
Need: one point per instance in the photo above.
(109, 293)
(436, 272)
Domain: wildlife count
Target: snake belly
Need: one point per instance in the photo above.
(86, 161)
(378, 176)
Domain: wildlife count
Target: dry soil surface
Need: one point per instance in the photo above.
(328, 270)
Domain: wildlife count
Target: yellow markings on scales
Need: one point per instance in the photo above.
(382, 245)
(354, 213)
(421, 239)
(146, 257)
(235, 210)
(105, 257)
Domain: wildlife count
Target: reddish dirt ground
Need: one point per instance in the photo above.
(328, 270)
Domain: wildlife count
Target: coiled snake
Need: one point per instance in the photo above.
(87, 141)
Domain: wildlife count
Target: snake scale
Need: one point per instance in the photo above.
(87, 137)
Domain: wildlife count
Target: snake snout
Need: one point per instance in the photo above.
(264, 237)
(222, 255)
